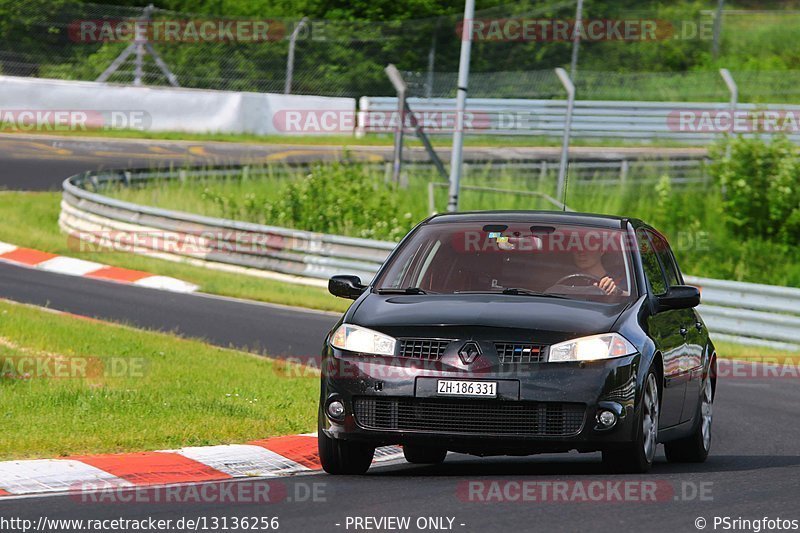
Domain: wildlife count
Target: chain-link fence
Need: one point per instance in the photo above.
(627, 51)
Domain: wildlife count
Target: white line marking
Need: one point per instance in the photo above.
(165, 283)
(53, 475)
(69, 266)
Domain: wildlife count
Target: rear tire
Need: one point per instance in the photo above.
(424, 455)
(637, 457)
(341, 457)
(695, 447)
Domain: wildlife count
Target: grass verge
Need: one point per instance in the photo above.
(372, 139)
(729, 350)
(102, 388)
(31, 220)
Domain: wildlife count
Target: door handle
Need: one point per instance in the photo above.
(684, 331)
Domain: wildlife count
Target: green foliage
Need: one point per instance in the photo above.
(332, 198)
(761, 187)
(349, 43)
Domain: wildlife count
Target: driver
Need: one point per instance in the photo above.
(590, 262)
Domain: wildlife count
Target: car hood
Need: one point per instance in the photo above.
(557, 319)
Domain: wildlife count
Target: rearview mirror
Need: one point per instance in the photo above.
(679, 297)
(346, 287)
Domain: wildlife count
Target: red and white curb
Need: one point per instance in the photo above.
(70, 266)
(273, 457)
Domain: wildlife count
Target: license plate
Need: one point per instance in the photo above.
(451, 387)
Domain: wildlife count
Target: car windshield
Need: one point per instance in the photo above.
(520, 259)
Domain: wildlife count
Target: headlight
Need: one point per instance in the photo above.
(362, 340)
(592, 348)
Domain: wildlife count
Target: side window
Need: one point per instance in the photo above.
(665, 255)
(652, 268)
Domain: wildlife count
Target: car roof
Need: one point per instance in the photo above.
(552, 217)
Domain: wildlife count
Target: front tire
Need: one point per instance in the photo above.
(637, 457)
(342, 457)
(695, 447)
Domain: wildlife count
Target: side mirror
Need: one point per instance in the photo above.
(346, 287)
(679, 297)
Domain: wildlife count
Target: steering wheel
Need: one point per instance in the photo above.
(590, 280)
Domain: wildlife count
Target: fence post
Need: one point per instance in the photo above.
(576, 39)
(734, 90)
(287, 89)
(717, 29)
(562, 167)
(401, 88)
(461, 105)
(431, 62)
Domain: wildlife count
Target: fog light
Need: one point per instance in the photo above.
(336, 410)
(607, 419)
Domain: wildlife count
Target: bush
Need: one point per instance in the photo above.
(341, 199)
(760, 186)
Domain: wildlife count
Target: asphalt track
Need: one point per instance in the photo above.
(752, 473)
(41, 162)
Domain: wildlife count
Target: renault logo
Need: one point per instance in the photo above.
(469, 352)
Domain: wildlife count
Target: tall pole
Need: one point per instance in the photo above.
(562, 167)
(461, 105)
(576, 39)
(717, 29)
(287, 89)
(431, 62)
(140, 35)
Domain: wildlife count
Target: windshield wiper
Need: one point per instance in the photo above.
(517, 291)
(397, 290)
(528, 292)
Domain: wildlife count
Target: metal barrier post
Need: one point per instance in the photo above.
(576, 39)
(401, 88)
(287, 89)
(562, 167)
(734, 90)
(461, 104)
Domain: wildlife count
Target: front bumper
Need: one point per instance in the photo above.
(407, 387)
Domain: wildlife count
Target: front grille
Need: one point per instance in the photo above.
(478, 417)
(426, 349)
(519, 353)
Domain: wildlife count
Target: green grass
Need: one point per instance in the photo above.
(141, 390)
(372, 139)
(31, 220)
(752, 353)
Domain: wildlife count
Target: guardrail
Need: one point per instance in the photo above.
(97, 220)
(701, 122)
(746, 313)
(750, 313)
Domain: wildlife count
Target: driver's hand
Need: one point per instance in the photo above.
(608, 285)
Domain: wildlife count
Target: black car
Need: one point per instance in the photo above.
(515, 333)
